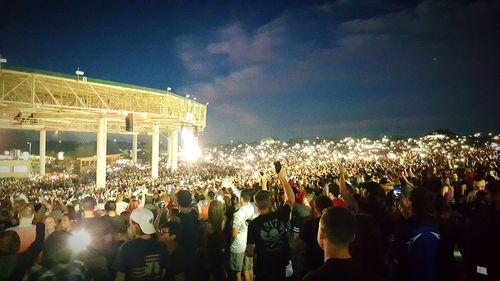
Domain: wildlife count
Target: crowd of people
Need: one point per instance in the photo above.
(352, 209)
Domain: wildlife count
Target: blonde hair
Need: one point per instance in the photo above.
(27, 212)
(217, 215)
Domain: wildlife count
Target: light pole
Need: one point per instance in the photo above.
(29, 143)
(2, 60)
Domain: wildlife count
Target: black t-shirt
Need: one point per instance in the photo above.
(216, 250)
(367, 248)
(314, 256)
(99, 229)
(5, 224)
(177, 263)
(190, 230)
(115, 224)
(99, 252)
(336, 269)
(269, 234)
(482, 249)
(142, 259)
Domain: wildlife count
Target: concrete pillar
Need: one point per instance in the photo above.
(43, 142)
(101, 153)
(134, 148)
(155, 151)
(169, 149)
(175, 149)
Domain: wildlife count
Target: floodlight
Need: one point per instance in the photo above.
(79, 240)
(79, 72)
(190, 149)
(187, 96)
(169, 89)
(2, 60)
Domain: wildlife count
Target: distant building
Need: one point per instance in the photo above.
(436, 137)
(440, 134)
(15, 168)
(268, 140)
(85, 164)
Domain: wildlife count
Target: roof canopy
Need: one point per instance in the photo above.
(33, 100)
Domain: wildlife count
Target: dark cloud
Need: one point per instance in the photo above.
(293, 68)
(425, 63)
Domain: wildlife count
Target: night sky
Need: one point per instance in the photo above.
(281, 69)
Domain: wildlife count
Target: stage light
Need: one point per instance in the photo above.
(79, 72)
(190, 149)
(79, 240)
(2, 60)
(191, 154)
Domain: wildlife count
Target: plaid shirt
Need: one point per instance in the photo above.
(74, 271)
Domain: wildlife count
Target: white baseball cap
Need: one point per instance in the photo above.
(144, 218)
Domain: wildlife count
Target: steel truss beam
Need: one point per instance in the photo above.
(33, 100)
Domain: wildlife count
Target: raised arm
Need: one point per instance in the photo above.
(346, 194)
(289, 195)
(264, 181)
(159, 213)
(40, 214)
(405, 179)
(63, 206)
(143, 199)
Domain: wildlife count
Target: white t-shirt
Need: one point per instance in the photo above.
(240, 218)
(120, 207)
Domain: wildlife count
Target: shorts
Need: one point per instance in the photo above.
(238, 262)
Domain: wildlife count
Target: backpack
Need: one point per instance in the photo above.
(422, 252)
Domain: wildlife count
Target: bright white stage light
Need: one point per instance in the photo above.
(79, 241)
(190, 149)
(79, 72)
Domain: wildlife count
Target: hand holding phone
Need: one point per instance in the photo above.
(277, 166)
(397, 192)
